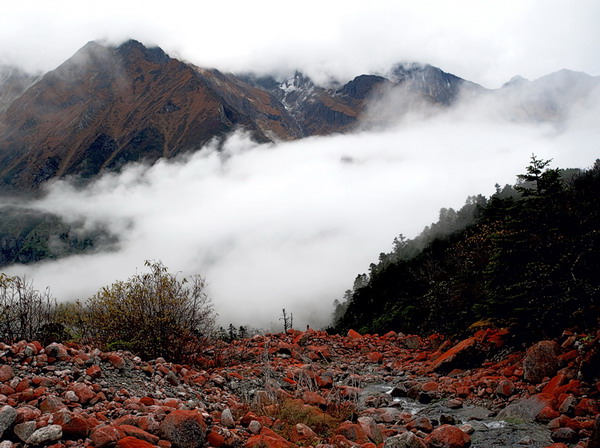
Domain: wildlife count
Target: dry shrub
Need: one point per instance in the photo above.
(25, 313)
(294, 411)
(153, 314)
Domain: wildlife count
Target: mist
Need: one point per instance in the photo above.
(484, 41)
(290, 224)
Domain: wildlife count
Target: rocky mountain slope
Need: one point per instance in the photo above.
(13, 82)
(307, 389)
(107, 106)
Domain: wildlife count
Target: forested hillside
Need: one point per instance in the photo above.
(526, 258)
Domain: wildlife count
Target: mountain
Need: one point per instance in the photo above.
(13, 82)
(105, 107)
(319, 110)
(434, 84)
(549, 98)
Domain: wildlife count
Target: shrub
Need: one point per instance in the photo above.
(154, 314)
(25, 313)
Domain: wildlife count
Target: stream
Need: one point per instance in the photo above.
(489, 431)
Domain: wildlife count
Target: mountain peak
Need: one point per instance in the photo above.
(133, 47)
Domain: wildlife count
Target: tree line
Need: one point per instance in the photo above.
(527, 258)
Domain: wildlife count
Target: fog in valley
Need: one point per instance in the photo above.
(289, 225)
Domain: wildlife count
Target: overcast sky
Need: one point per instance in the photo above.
(291, 224)
(486, 41)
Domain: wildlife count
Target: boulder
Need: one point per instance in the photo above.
(541, 360)
(527, 409)
(46, 434)
(447, 436)
(8, 414)
(227, 418)
(57, 351)
(184, 429)
(465, 354)
(353, 432)
(106, 436)
(6, 373)
(404, 440)
(352, 334)
(24, 430)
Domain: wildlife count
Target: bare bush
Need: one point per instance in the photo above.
(25, 313)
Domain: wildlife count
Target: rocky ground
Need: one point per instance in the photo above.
(307, 389)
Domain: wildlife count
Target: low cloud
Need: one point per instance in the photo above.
(290, 225)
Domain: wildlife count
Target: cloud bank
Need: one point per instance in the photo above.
(485, 41)
(290, 225)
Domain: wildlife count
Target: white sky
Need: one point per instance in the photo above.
(486, 41)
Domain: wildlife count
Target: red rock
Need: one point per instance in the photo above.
(74, 427)
(94, 371)
(554, 384)
(462, 351)
(420, 423)
(375, 357)
(354, 334)
(586, 406)
(246, 419)
(215, 439)
(302, 432)
(267, 439)
(547, 414)
(505, 388)
(138, 433)
(324, 381)
(132, 442)
(23, 384)
(106, 436)
(569, 356)
(57, 351)
(148, 401)
(83, 392)
(447, 436)
(116, 361)
(429, 386)
(540, 361)
(184, 429)
(313, 398)
(353, 432)
(6, 373)
(372, 430)
(27, 413)
(51, 405)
